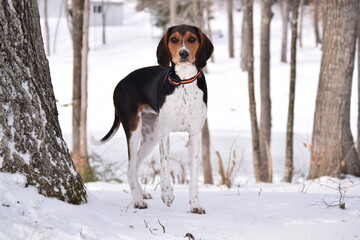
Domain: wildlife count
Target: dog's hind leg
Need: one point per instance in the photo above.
(167, 194)
(149, 139)
(133, 144)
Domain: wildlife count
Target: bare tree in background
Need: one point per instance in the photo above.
(244, 38)
(333, 150)
(75, 13)
(230, 28)
(46, 28)
(316, 22)
(290, 124)
(205, 135)
(250, 69)
(284, 9)
(30, 136)
(265, 114)
(301, 7)
(173, 12)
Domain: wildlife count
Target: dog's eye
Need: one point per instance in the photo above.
(192, 39)
(173, 40)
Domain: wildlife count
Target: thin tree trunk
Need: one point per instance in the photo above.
(209, 32)
(198, 13)
(230, 28)
(252, 107)
(173, 12)
(333, 150)
(46, 25)
(205, 138)
(57, 25)
(265, 114)
(290, 121)
(103, 15)
(301, 22)
(358, 68)
(284, 9)
(316, 22)
(244, 38)
(82, 163)
(76, 28)
(30, 136)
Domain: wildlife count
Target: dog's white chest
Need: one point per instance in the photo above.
(184, 110)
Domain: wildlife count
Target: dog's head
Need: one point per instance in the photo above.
(184, 44)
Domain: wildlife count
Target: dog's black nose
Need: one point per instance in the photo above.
(184, 54)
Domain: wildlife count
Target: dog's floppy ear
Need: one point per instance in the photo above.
(162, 52)
(206, 48)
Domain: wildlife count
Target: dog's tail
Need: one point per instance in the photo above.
(109, 135)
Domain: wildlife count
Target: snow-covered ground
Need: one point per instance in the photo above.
(247, 210)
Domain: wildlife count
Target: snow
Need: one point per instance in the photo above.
(247, 210)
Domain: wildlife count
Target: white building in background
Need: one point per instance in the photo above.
(113, 10)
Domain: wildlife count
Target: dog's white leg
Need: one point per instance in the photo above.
(149, 139)
(133, 144)
(167, 194)
(194, 147)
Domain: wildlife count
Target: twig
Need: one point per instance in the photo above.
(128, 206)
(260, 192)
(161, 225)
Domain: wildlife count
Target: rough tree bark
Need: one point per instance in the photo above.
(265, 114)
(284, 9)
(250, 69)
(230, 28)
(333, 152)
(290, 122)
(30, 136)
(358, 67)
(244, 36)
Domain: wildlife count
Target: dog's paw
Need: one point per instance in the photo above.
(197, 210)
(147, 196)
(140, 204)
(168, 198)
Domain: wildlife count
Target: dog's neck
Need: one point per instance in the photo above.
(185, 70)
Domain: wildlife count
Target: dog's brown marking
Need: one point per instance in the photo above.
(188, 40)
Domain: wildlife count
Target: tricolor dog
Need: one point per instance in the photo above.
(151, 102)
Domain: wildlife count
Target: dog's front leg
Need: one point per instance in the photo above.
(167, 194)
(194, 147)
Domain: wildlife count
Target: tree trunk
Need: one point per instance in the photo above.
(198, 13)
(284, 9)
(208, 18)
(230, 28)
(173, 12)
(316, 22)
(290, 121)
(265, 114)
(82, 163)
(333, 152)
(103, 16)
(205, 138)
(46, 26)
(76, 22)
(358, 68)
(30, 135)
(244, 38)
(301, 6)
(250, 69)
